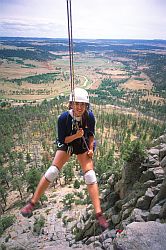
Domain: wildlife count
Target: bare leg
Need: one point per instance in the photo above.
(59, 160)
(87, 164)
(94, 195)
(42, 186)
(61, 157)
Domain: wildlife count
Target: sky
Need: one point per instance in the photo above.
(92, 19)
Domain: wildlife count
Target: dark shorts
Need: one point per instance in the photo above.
(73, 148)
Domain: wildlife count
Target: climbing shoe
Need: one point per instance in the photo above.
(102, 220)
(27, 210)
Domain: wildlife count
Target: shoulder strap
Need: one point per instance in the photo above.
(67, 117)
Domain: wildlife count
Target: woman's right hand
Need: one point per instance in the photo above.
(79, 133)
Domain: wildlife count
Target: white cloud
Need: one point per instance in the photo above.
(91, 18)
(34, 27)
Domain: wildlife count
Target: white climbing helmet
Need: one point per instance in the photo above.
(79, 95)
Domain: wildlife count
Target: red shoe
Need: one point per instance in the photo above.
(27, 210)
(102, 220)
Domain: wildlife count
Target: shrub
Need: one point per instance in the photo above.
(59, 214)
(134, 152)
(5, 222)
(43, 198)
(3, 247)
(76, 184)
(68, 200)
(38, 224)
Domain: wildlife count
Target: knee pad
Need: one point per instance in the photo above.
(52, 173)
(90, 177)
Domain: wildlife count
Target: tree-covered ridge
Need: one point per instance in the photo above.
(157, 72)
(37, 79)
(155, 69)
(37, 54)
(85, 44)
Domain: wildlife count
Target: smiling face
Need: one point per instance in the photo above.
(79, 108)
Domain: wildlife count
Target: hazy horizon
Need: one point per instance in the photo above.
(66, 38)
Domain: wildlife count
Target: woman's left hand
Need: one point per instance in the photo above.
(90, 153)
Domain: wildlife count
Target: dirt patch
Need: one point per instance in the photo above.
(135, 84)
(12, 70)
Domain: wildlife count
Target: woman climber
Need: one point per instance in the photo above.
(75, 136)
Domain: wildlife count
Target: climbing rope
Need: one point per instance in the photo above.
(70, 40)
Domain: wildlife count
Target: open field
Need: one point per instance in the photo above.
(135, 84)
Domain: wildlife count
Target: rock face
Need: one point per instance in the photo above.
(52, 236)
(140, 196)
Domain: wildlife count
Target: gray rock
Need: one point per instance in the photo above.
(130, 203)
(156, 189)
(143, 202)
(161, 139)
(150, 183)
(142, 236)
(162, 153)
(69, 237)
(163, 211)
(112, 198)
(95, 245)
(153, 151)
(161, 194)
(147, 175)
(77, 246)
(149, 193)
(156, 157)
(91, 240)
(139, 215)
(160, 146)
(151, 159)
(107, 243)
(154, 212)
(116, 218)
(126, 213)
(163, 162)
(109, 234)
(131, 173)
(159, 172)
(123, 223)
(111, 179)
(155, 164)
(111, 247)
(118, 204)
